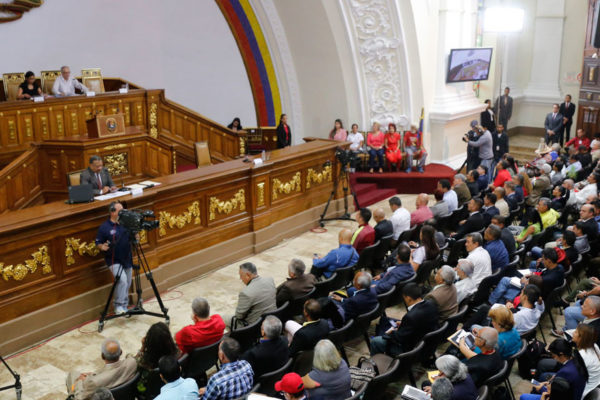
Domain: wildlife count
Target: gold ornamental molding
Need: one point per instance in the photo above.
(116, 164)
(318, 177)
(260, 192)
(226, 207)
(179, 221)
(73, 245)
(114, 147)
(38, 259)
(153, 120)
(288, 187)
(242, 146)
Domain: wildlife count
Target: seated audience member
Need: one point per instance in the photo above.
(489, 208)
(402, 271)
(584, 288)
(375, 143)
(330, 375)
(428, 250)
(530, 309)
(440, 208)
(572, 167)
(234, 379)
(589, 224)
(502, 174)
(569, 184)
(462, 190)
(102, 393)
(590, 189)
(271, 353)
(236, 125)
(97, 176)
(548, 215)
(364, 236)
(422, 213)
(501, 203)
(541, 184)
(256, 299)
(519, 181)
(472, 184)
(115, 372)
(30, 88)
(560, 196)
(291, 386)
(585, 339)
(157, 343)
(511, 196)
(579, 140)
(487, 363)
(297, 284)
(175, 386)
(338, 132)
(509, 340)
(482, 263)
(482, 180)
(362, 299)
(581, 244)
(450, 196)
(400, 218)
(552, 277)
(393, 144)
(495, 247)
(584, 156)
(413, 146)
(533, 225)
(465, 286)
(556, 175)
(475, 221)
(421, 318)
(356, 139)
(463, 387)
(344, 256)
(505, 235)
(444, 293)
(64, 85)
(207, 329)
(383, 227)
(306, 336)
(595, 152)
(583, 311)
(441, 389)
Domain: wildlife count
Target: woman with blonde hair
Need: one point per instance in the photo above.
(330, 376)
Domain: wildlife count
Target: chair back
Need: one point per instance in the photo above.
(362, 323)
(153, 383)
(485, 287)
(247, 336)
(535, 240)
(366, 259)
(457, 250)
(499, 376)
(382, 250)
(432, 340)
(384, 299)
(11, 84)
(456, 319)
(338, 336)
(344, 275)
(297, 305)
(444, 222)
(303, 362)
(554, 295)
(200, 360)
(48, 78)
(92, 79)
(282, 312)
(267, 381)
(511, 268)
(424, 271)
(483, 393)
(530, 334)
(407, 235)
(517, 355)
(202, 154)
(407, 360)
(396, 297)
(322, 288)
(376, 388)
(593, 395)
(359, 393)
(74, 177)
(127, 390)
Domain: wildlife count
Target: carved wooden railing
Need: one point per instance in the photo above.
(20, 183)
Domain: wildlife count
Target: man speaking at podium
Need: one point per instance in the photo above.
(97, 176)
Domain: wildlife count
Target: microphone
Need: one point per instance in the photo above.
(123, 188)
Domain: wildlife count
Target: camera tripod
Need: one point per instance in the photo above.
(136, 248)
(17, 384)
(343, 177)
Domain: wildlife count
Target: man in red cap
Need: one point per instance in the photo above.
(291, 387)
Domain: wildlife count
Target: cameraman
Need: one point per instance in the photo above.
(113, 240)
(485, 143)
(472, 152)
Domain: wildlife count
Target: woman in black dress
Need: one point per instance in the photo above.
(30, 88)
(284, 133)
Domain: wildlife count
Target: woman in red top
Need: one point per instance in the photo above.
(376, 141)
(393, 154)
(413, 145)
(580, 139)
(502, 174)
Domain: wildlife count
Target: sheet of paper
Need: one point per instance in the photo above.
(136, 186)
(516, 282)
(109, 196)
(525, 272)
(149, 183)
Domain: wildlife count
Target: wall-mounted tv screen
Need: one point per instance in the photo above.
(469, 64)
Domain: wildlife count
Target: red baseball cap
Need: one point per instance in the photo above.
(290, 383)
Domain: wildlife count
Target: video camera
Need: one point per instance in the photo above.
(345, 156)
(138, 220)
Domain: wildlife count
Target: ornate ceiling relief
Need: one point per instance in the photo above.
(11, 10)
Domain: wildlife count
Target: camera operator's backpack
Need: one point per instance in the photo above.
(363, 373)
(535, 351)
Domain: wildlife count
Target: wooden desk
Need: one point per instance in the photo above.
(48, 256)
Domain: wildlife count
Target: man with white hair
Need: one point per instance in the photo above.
(115, 372)
(462, 190)
(207, 329)
(444, 293)
(465, 286)
(569, 184)
(361, 301)
(441, 389)
(297, 285)
(64, 85)
(540, 185)
(256, 299)
(586, 312)
(271, 352)
(487, 363)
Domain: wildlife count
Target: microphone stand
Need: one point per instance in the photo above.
(17, 384)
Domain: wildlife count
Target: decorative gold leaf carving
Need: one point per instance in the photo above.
(59, 123)
(73, 245)
(12, 130)
(153, 120)
(20, 271)
(179, 221)
(260, 190)
(242, 146)
(115, 147)
(226, 207)
(313, 177)
(117, 163)
(288, 187)
(74, 122)
(28, 128)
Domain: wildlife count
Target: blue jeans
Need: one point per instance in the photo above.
(490, 166)
(529, 396)
(410, 151)
(376, 153)
(121, 295)
(573, 316)
(504, 292)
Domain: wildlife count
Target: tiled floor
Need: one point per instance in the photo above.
(43, 368)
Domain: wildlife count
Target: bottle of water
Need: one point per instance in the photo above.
(263, 156)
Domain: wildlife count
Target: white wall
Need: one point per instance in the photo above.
(185, 47)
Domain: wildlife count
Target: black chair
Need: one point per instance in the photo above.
(536, 240)
(338, 337)
(443, 223)
(397, 295)
(530, 334)
(153, 383)
(485, 288)
(376, 388)
(199, 361)
(322, 288)
(456, 319)
(343, 277)
(127, 390)
(297, 305)
(366, 259)
(407, 360)
(267, 381)
(483, 393)
(499, 377)
(424, 271)
(432, 340)
(384, 299)
(511, 362)
(281, 312)
(511, 268)
(359, 393)
(593, 395)
(361, 325)
(407, 235)
(551, 300)
(578, 266)
(457, 250)
(248, 335)
(382, 250)
(303, 362)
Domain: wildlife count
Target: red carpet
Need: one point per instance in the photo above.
(371, 188)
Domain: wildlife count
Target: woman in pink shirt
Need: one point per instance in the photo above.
(338, 132)
(393, 154)
(376, 141)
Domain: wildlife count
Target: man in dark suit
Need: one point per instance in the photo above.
(590, 226)
(487, 117)
(567, 110)
(362, 301)
(297, 285)
(503, 108)
(402, 271)
(271, 352)
(489, 208)
(421, 318)
(97, 176)
(314, 328)
(383, 226)
(553, 126)
(500, 143)
(475, 221)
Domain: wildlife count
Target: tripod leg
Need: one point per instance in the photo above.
(331, 196)
(148, 273)
(110, 296)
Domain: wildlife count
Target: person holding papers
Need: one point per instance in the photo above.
(64, 85)
(97, 176)
(487, 363)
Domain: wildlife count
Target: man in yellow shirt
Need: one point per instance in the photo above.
(548, 215)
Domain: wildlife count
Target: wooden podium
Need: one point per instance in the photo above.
(106, 125)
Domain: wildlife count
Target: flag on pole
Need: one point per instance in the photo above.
(420, 132)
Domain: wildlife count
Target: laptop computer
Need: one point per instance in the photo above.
(81, 194)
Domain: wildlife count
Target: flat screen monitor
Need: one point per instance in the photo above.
(469, 64)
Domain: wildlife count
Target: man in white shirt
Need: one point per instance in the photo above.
(569, 184)
(400, 218)
(465, 286)
(356, 138)
(590, 188)
(450, 196)
(64, 85)
(531, 309)
(482, 263)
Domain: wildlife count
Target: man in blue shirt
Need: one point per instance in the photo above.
(175, 388)
(343, 256)
(113, 240)
(234, 379)
(495, 247)
(402, 271)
